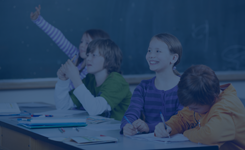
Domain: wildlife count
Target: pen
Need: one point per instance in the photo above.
(164, 122)
(73, 58)
(60, 130)
(76, 129)
(130, 123)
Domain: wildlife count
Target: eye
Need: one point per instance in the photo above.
(149, 50)
(158, 51)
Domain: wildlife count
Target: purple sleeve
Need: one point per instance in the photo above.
(136, 106)
(57, 36)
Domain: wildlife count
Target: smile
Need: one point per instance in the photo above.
(152, 62)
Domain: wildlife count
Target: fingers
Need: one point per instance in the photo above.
(141, 126)
(160, 130)
(129, 130)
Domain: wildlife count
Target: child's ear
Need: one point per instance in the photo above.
(174, 58)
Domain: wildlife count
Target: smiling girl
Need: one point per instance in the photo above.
(158, 94)
(104, 91)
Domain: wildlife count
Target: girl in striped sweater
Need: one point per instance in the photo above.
(158, 94)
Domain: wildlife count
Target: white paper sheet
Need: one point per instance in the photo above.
(151, 137)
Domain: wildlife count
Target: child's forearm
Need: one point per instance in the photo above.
(57, 36)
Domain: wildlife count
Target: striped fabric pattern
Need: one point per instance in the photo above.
(57, 36)
(150, 101)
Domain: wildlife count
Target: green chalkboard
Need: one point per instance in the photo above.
(212, 32)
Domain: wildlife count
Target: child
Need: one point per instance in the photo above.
(158, 94)
(69, 49)
(213, 114)
(104, 90)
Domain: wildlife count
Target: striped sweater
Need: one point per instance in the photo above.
(150, 101)
(57, 36)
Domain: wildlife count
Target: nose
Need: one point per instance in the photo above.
(152, 55)
(88, 58)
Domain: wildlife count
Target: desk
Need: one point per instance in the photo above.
(17, 137)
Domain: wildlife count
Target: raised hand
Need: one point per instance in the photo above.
(35, 15)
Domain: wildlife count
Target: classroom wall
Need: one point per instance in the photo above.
(211, 31)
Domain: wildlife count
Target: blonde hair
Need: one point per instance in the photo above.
(110, 51)
(174, 47)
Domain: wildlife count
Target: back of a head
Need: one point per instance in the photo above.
(198, 85)
(173, 44)
(110, 51)
(97, 34)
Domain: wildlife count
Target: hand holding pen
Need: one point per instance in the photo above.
(129, 128)
(161, 129)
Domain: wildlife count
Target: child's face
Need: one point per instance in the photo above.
(201, 109)
(95, 62)
(86, 39)
(158, 55)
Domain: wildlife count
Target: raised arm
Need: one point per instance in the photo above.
(55, 34)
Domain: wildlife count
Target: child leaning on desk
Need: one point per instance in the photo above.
(69, 49)
(213, 114)
(104, 91)
(159, 94)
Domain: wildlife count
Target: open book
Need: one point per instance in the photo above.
(9, 108)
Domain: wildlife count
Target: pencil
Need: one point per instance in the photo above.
(60, 130)
(130, 123)
(74, 57)
(164, 123)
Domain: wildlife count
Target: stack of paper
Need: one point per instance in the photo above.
(151, 137)
(61, 113)
(49, 122)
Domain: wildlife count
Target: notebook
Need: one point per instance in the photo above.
(52, 122)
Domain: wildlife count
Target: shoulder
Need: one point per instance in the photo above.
(116, 78)
(147, 83)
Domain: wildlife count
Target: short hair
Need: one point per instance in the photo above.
(110, 51)
(97, 34)
(198, 85)
(173, 44)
